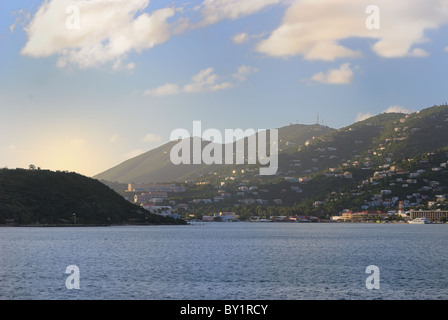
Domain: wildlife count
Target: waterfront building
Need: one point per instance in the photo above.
(228, 216)
(430, 215)
(364, 215)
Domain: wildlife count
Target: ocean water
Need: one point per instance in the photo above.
(226, 261)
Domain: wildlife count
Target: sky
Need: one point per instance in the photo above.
(86, 85)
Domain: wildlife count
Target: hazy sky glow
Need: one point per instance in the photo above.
(85, 85)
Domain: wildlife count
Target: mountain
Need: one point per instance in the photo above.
(370, 165)
(380, 140)
(152, 166)
(156, 166)
(46, 197)
(306, 150)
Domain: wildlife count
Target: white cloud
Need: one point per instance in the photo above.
(363, 116)
(419, 53)
(244, 37)
(165, 90)
(315, 29)
(130, 66)
(244, 71)
(151, 138)
(22, 18)
(343, 75)
(446, 49)
(214, 11)
(240, 38)
(108, 31)
(392, 109)
(397, 109)
(117, 65)
(205, 80)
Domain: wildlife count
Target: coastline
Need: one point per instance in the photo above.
(201, 223)
(78, 225)
(54, 225)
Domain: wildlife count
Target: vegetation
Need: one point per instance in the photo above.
(44, 197)
(311, 180)
(366, 150)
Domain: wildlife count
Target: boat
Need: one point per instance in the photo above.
(419, 221)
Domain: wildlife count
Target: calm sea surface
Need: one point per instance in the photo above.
(288, 261)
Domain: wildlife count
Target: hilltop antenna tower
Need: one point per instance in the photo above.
(317, 119)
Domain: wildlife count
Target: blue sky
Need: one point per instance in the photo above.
(85, 97)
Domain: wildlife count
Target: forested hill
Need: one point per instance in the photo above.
(47, 197)
(156, 166)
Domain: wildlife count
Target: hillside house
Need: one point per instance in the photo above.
(348, 175)
(161, 210)
(147, 196)
(228, 216)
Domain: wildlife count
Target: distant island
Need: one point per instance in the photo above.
(45, 198)
(378, 166)
(375, 165)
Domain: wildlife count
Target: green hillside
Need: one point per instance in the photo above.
(366, 145)
(152, 166)
(341, 169)
(323, 171)
(155, 165)
(306, 150)
(419, 183)
(332, 150)
(294, 135)
(380, 140)
(46, 197)
(420, 132)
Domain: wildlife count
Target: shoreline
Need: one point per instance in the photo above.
(79, 225)
(194, 223)
(53, 225)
